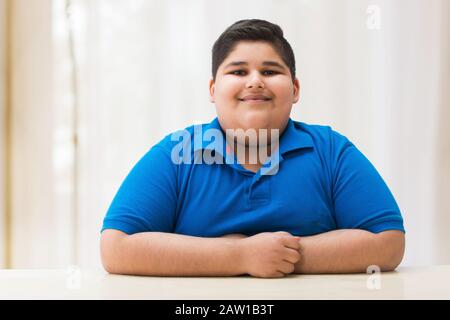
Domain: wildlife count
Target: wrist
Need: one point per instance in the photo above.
(241, 255)
(301, 265)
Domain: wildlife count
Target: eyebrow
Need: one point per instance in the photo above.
(265, 63)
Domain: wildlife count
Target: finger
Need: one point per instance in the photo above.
(293, 243)
(275, 274)
(279, 274)
(293, 256)
(286, 267)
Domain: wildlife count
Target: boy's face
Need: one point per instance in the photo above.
(253, 88)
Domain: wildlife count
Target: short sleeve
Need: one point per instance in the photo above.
(147, 198)
(361, 198)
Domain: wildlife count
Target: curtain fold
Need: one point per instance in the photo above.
(32, 242)
(442, 169)
(41, 137)
(3, 133)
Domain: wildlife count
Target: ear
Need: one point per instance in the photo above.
(296, 91)
(211, 90)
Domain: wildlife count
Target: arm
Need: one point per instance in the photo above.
(350, 251)
(267, 255)
(168, 254)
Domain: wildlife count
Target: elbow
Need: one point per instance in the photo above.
(396, 259)
(391, 264)
(109, 262)
(393, 245)
(110, 244)
(108, 267)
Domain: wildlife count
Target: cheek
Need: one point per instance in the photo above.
(228, 89)
(282, 89)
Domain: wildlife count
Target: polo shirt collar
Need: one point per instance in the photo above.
(208, 145)
(291, 139)
(294, 138)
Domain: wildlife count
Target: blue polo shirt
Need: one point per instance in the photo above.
(322, 182)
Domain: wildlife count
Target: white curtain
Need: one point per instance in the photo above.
(3, 132)
(376, 71)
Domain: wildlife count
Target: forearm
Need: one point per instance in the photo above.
(349, 251)
(167, 254)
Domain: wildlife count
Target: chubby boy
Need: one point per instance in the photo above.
(291, 198)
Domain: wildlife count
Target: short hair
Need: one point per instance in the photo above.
(252, 30)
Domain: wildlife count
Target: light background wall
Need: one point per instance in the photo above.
(376, 71)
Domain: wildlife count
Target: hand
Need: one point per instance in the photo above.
(270, 254)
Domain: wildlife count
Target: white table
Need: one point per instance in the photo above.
(406, 283)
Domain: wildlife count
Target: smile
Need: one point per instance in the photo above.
(255, 100)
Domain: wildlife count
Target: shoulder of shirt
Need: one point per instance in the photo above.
(320, 134)
(173, 138)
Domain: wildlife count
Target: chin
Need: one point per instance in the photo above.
(255, 120)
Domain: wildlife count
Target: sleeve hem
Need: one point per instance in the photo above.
(385, 226)
(120, 225)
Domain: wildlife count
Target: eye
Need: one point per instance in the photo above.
(269, 72)
(237, 72)
(264, 72)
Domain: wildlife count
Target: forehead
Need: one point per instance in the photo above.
(253, 52)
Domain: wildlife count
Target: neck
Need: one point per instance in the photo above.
(252, 157)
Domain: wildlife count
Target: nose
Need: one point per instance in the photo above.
(255, 82)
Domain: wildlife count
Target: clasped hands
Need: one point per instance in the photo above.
(268, 254)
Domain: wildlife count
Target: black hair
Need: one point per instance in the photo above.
(252, 30)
